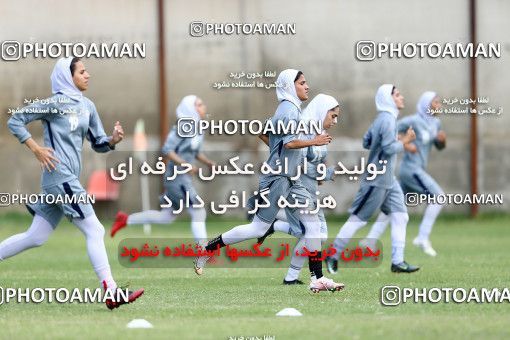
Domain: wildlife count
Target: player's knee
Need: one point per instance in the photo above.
(401, 217)
(260, 229)
(355, 220)
(95, 228)
(39, 240)
(260, 232)
(35, 239)
(324, 235)
(436, 206)
(198, 215)
(96, 231)
(100, 231)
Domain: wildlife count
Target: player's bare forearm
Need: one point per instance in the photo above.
(203, 158)
(265, 139)
(174, 157)
(323, 139)
(32, 144)
(299, 144)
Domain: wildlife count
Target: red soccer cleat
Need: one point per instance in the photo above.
(132, 297)
(120, 222)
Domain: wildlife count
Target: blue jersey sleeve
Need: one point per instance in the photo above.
(172, 142)
(18, 121)
(389, 143)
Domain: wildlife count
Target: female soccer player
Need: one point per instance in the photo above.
(413, 175)
(325, 109)
(179, 149)
(292, 90)
(383, 192)
(68, 117)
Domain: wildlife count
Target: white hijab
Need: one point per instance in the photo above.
(384, 100)
(424, 104)
(318, 108)
(62, 80)
(422, 107)
(186, 108)
(286, 90)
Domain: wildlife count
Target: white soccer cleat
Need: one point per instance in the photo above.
(324, 283)
(199, 264)
(426, 246)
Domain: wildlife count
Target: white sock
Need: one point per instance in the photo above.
(324, 232)
(198, 216)
(281, 226)
(94, 234)
(428, 221)
(35, 236)
(379, 226)
(313, 235)
(350, 227)
(257, 228)
(296, 262)
(398, 236)
(163, 216)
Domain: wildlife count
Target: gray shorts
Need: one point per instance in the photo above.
(176, 190)
(418, 181)
(53, 213)
(294, 191)
(371, 198)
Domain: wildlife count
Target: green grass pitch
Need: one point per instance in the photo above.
(227, 303)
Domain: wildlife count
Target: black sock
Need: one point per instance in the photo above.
(214, 243)
(315, 265)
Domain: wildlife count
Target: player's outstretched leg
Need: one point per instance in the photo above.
(35, 236)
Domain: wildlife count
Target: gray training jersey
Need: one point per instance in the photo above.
(186, 147)
(315, 155)
(381, 139)
(286, 112)
(426, 133)
(66, 123)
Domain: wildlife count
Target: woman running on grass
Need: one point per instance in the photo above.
(325, 109)
(413, 174)
(68, 118)
(179, 149)
(284, 147)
